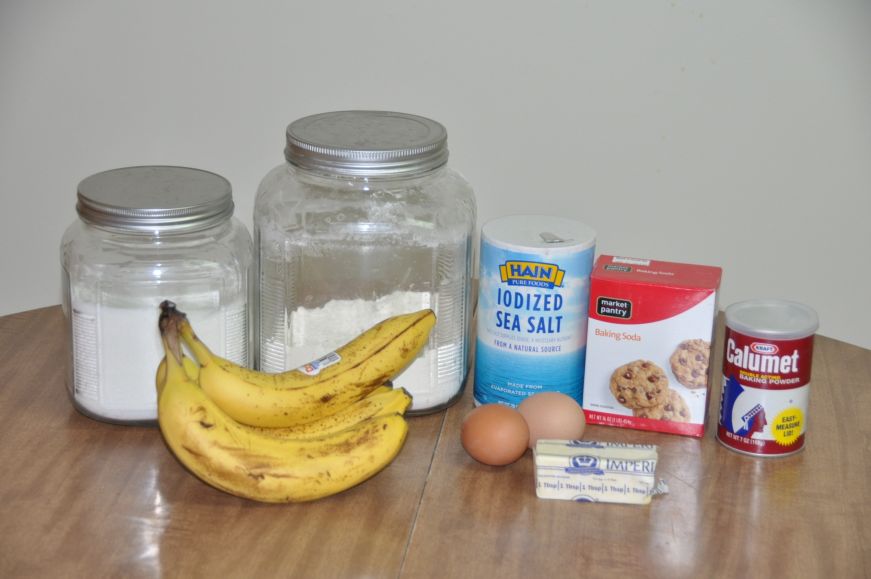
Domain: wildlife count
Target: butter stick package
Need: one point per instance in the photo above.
(597, 472)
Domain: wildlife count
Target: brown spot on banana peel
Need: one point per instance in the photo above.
(192, 452)
(315, 410)
(422, 319)
(405, 349)
(269, 474)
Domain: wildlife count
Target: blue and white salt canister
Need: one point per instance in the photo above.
(534, 289)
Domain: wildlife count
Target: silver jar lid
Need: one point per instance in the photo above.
(366, 143)
(149, 198)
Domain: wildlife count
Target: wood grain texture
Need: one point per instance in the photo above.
(85, 498)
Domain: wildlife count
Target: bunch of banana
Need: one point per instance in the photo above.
(324, 387)
(330, 449)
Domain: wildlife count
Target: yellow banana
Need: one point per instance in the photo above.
(330, 384)
(247, 462)
(379, 403)
(191, 368)
(383, 400)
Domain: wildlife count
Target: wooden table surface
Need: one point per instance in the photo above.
(81, 498)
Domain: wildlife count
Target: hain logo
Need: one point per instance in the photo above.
(531, 273)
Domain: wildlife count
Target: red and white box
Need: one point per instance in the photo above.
(649, 344)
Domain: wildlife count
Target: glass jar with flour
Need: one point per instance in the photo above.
(365, 221)
(146, 234)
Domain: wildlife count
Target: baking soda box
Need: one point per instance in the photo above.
(649, 338)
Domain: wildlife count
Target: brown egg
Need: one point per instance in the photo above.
(494, 434)
(552, 415)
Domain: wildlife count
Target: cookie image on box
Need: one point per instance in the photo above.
(690, 363)
(674, 409)
(639, 384)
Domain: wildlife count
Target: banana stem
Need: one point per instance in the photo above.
(168, 322)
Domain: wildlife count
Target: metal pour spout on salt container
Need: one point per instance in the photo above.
(364, 221)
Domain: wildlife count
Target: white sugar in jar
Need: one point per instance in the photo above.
(146, 234)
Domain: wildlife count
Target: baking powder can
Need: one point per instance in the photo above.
(533, 294)
(768, 350)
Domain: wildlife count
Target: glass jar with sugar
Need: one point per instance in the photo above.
(146, 234)
(365, 221)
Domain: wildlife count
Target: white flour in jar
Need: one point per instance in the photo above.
(318, 331)
(116, 349)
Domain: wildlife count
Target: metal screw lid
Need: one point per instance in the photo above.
(366, 143)
(149, 198)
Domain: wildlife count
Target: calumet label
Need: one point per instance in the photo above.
(768, 350)
(532, 308)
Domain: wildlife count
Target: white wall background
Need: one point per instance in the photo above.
(727, 133)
